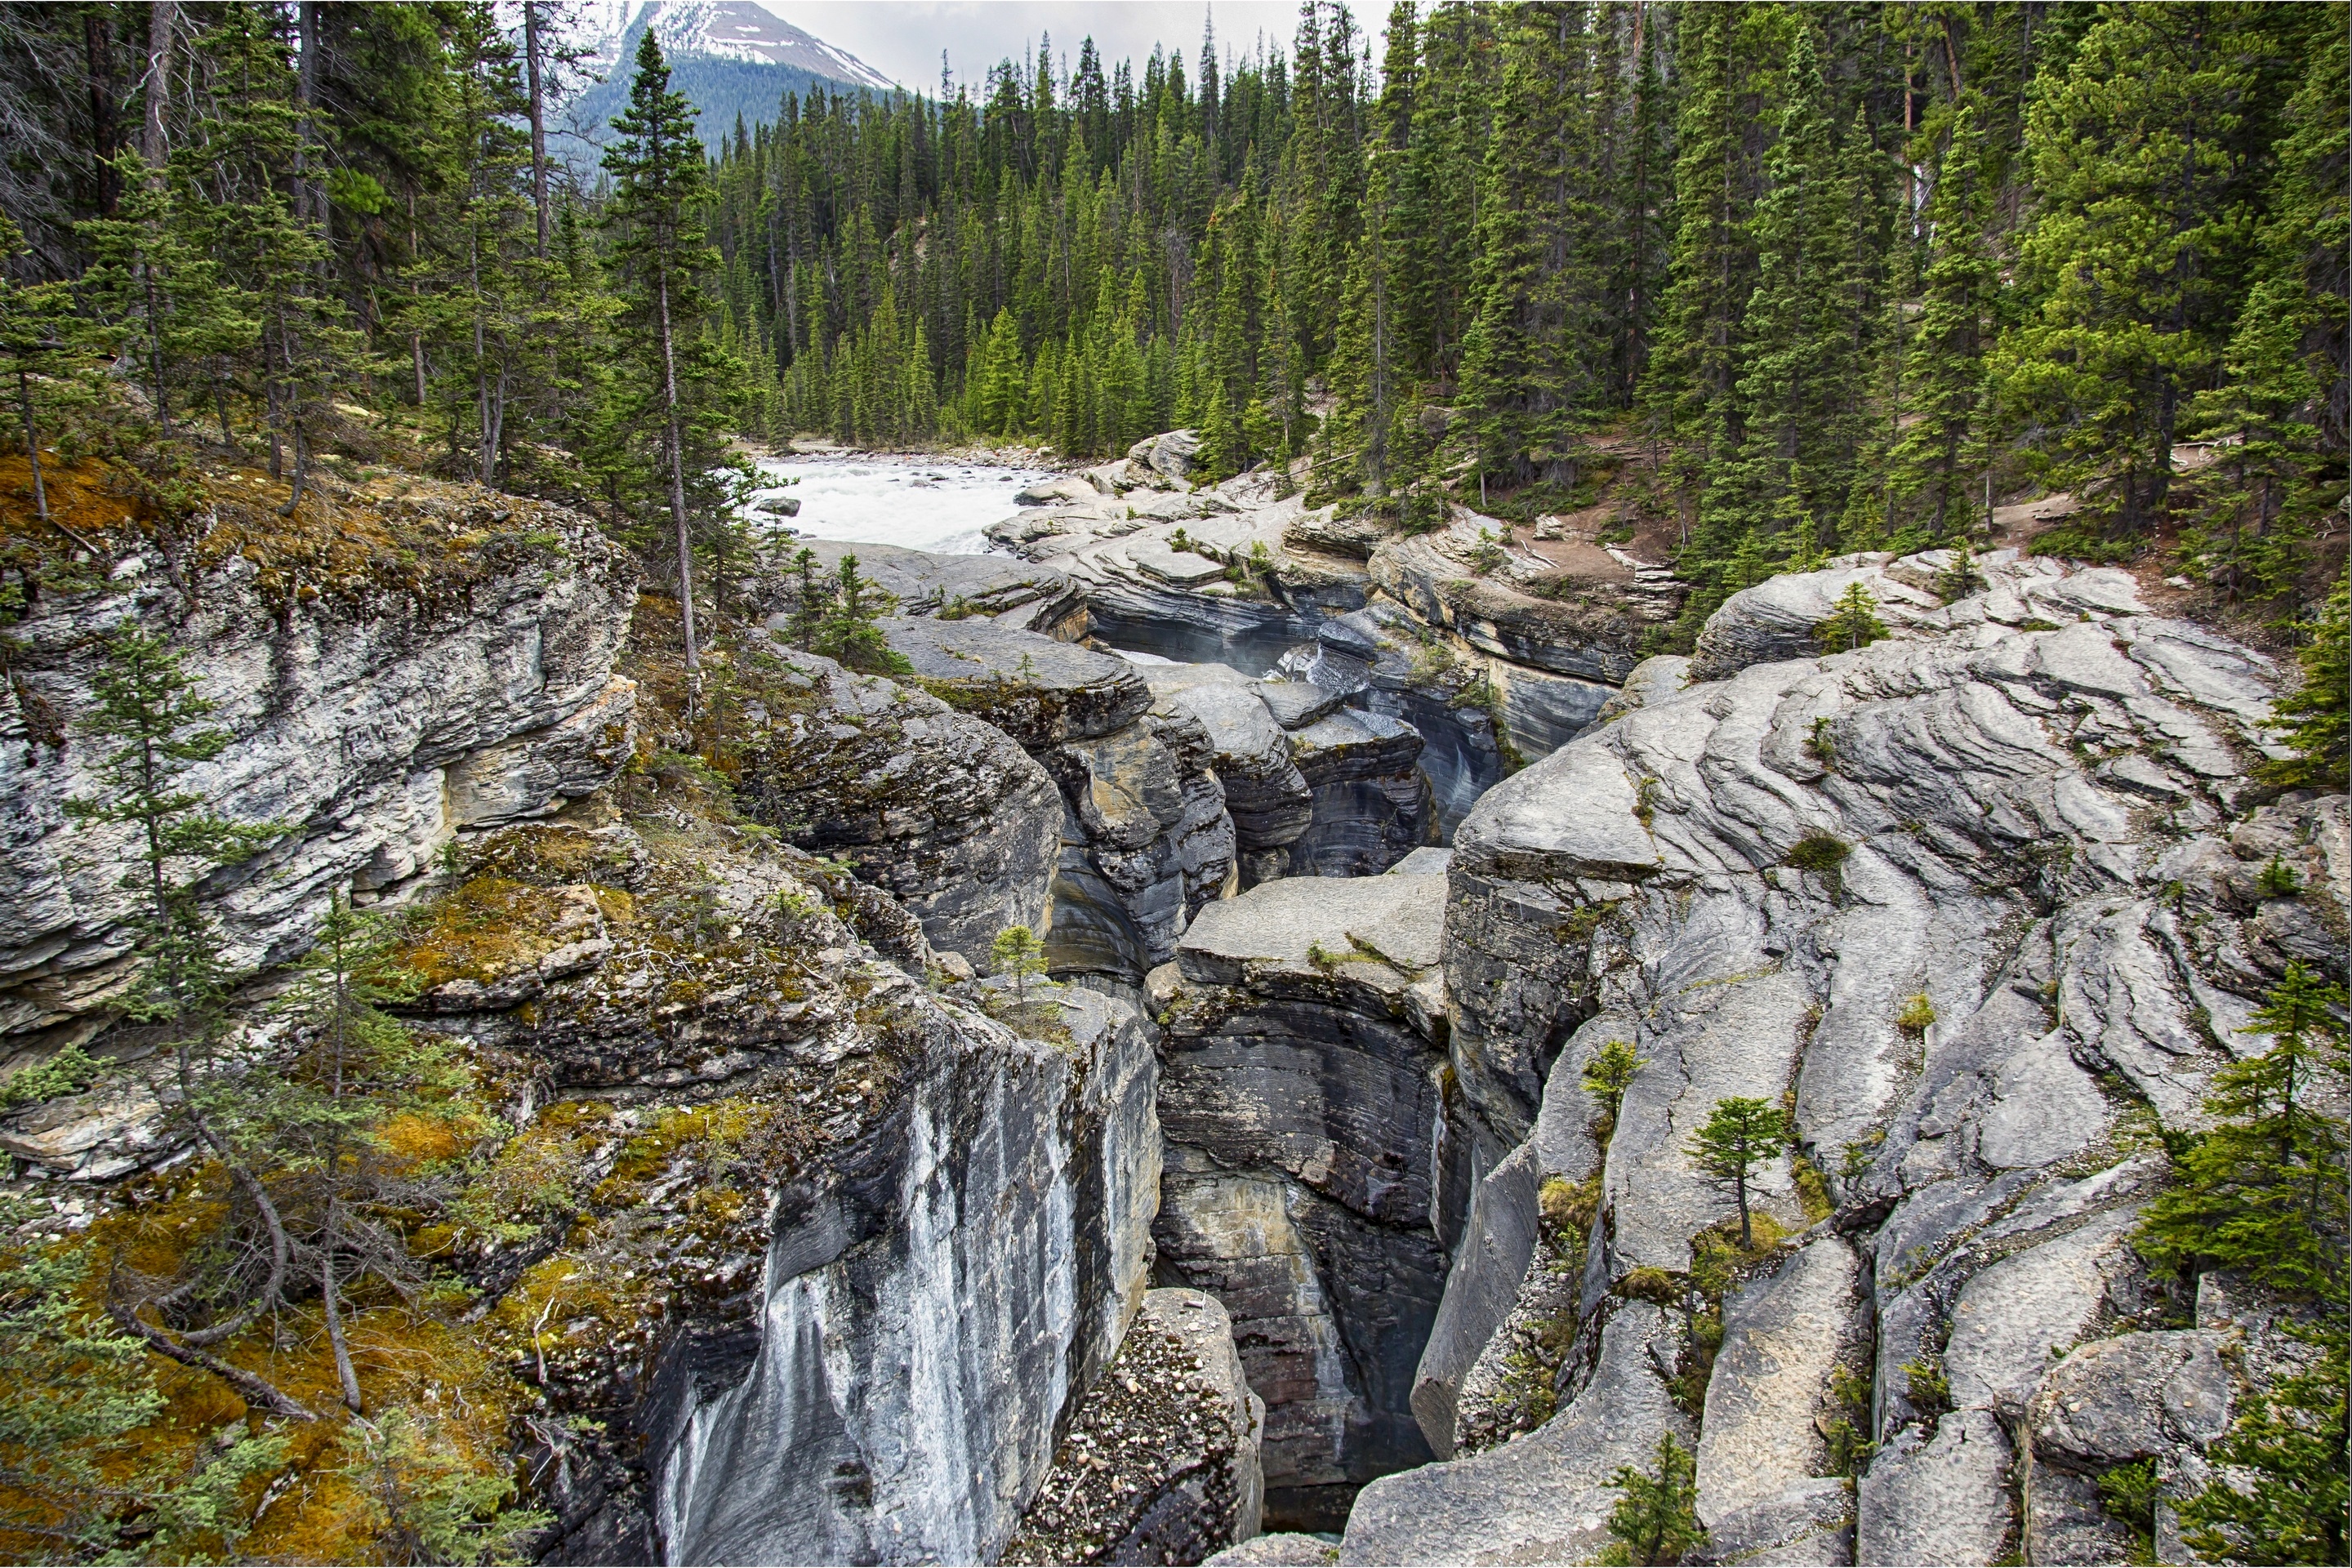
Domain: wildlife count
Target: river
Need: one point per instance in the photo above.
(910, 500)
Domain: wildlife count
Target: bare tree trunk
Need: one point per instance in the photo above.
(678, 489)
(32, 443)
(305, 96)
(160, 17)
(344, 1372)
(537, 121)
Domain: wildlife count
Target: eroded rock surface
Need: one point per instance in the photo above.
(372, 716)
(1971, 898)
(944, 812)
(866, 1356)
(1299, 1096)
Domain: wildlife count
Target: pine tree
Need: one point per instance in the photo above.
(1738, 1136)
(2316, 716)
(2264, 1191)
(147, 713)
(1655, 1518)
(660, 250)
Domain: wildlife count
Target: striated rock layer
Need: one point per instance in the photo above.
(846, 1323)
(1298, 1091)
(1974, 902)
(371, 715)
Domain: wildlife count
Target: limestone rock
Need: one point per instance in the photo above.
(1783, 1337)
(940, 810)
(1372, 804)
(1039, 692)
(1005, 591)
(374, 723)
(1952, 893)
(1543, 1497)
(1297, 1100)
(1278, 1551)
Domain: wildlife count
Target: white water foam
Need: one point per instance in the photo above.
(906, 501)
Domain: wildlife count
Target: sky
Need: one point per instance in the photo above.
(902, 38)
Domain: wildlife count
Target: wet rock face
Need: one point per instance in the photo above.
(928, 1310)
(944, 812)
(1969, 898)
(1159, 1462)
(1299, 1096)
(842, 1247)
(374, 725)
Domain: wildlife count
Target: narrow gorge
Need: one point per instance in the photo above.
(1283, 1205)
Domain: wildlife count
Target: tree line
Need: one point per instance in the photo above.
(1850, 273)
(1855, 271)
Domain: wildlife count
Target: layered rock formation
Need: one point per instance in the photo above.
(1000, 590)
(1145, 839)
(1314, 789)
(945, 812)
(1973, 898)
(921, 1237)
(373, 706)
(1299, 1088)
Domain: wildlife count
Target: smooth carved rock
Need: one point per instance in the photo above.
(1546, 1497)
(372, 729)
(902, 1399)
(1930, 889)
(1270, 800)
(1941, 1499)
(1782, 1336)
(1297, 1100)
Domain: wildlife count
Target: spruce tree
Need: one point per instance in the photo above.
(1938, 457)
(2144, 158)
(660, 252)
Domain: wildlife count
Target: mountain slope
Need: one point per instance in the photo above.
(732, 59)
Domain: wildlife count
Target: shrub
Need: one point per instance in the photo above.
(1656, 1516)
(1820, 853)
(2278, 881)
(69, 1071)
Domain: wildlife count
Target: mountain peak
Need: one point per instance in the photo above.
(732, 30)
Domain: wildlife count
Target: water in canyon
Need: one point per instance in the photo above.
(913, 501)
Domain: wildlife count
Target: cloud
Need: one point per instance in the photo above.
(903, 38)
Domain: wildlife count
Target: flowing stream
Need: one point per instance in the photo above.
(911, 501)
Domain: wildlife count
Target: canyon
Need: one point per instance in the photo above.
(1281, 1202)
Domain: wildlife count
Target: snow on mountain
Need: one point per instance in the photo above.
(721, 29)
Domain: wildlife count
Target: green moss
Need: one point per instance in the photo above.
(1820, 853)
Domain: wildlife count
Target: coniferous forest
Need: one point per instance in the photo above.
(494, 1068)
(1848, 272)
